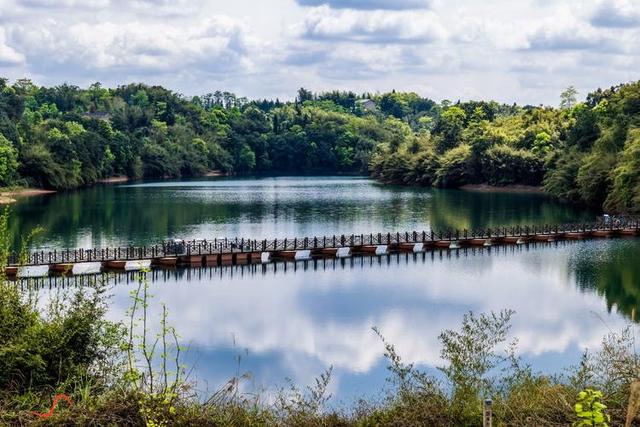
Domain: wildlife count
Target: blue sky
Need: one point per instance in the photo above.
(510, 51)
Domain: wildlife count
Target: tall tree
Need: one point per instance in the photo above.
(304, 95)
(568, 98)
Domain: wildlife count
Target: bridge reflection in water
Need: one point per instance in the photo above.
(224, 273)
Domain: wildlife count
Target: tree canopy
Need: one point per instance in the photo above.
(65, 137)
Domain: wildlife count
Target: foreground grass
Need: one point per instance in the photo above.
(117, 374)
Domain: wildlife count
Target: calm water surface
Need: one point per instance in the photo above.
(295, 320)
(147, 213)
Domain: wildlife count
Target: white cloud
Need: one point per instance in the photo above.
(305, 316)
(215, 45)
(165, 7)
(565, 38)
(369, 4)
(616, 14)
(57, 4)
(323, 23)
(477, 32)
(564, 30)
(357, 61)
(461, 50)
(8, 55)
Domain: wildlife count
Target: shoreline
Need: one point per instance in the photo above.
(515, 188)
(119, 179)
(10, 196)
(113, 179)
(215, 173)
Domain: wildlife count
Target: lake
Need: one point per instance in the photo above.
(294, 320)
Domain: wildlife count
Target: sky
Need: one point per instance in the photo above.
(510, 51)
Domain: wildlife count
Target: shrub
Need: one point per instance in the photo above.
(454, 167)
(396, 168)
(590, 411)
(39, 166)
(425, 168)
(503, 165)
(67, 343)
(159, 162)
(45, 351)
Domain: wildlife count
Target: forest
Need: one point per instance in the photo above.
(586, 153)
(65, 137)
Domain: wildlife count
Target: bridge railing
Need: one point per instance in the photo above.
(226, 245)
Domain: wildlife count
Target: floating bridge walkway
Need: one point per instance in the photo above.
(251, 251)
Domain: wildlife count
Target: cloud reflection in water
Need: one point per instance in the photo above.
(294, 320)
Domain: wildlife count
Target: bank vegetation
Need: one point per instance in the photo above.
(65, 137)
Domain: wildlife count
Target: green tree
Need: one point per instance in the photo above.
(625, 192)
(304, 95)
(450, 127)
(594, 178)
(542, 143)
(454, 167)
(8, 162)
(560, 179)
(245, 159)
